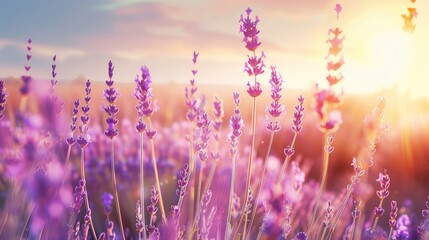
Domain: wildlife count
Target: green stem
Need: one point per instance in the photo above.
(286, 161)
(157, 182)
(212, 169)
(66, 165)
(353, 229)
(322, 183)
(249, 165)
(390, 233)
(191, 182)
(115, 189)
(158, 185)
(231, 196)
(262, 182)
(142, 212)
(376, 218)
(82, 168)
(340, 211)
(324, 232)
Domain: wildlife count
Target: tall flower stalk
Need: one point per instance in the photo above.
(384, 181)
(26, 79)
(203, 133)
(289, 151)
(71, 140)
(111, 94)
(193, 104)
(146, 109)
(3, 96)
(254, 66)
(235, 124)
(274, 109)
(325, 101)
(393, 216)
(83, 140)
(139, 93)
(217, 126)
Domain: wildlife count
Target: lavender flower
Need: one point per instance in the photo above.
(107, 199)
(287, 226)
(425, 212)
(26, 79)
(298, 115)
(111, 94)
(275, 108)
(86, 224)
(218, 115)
(203, 124)
(384, 181)
(254, 65)
(2, 98)
(403, 225)
(236, 124)
(393, 216)
(206, 221)
(84, 137)
(327, 218)
(140, 226)
(152, 209)
(300, 236)
(249, 29)
(191, 101)
(71, 140)
(56, 102)
(143, 93)
(298, 176)
(78, 197)
(182, 183)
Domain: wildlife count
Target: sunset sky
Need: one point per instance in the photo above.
(85, 35)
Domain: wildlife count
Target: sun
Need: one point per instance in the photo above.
(380, 55)
(390, 57)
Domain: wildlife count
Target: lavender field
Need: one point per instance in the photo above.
(256, 159)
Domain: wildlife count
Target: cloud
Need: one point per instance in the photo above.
(42, 50)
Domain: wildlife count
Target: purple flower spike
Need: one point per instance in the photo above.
(384, 181)
(378, 211)
(298, 115)
(71, 140)
(300, 236)
(393, 214)
(154, 198)
(289, 151)
(84, 138)
(194, 60)
(425, 212)
(78, 196)
(250, 31)
(107, 199)
(275, 109)
(2, 98)
(182, 183)
(111, 94)
(143, 93)
(26, 79)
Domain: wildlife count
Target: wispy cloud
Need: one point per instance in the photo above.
(43, 50)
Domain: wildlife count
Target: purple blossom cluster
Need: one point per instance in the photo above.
(254, 65)
(26, 79)
(2, 99)
(111, 94)
(84, 138)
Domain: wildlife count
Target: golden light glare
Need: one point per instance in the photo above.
(382, 55)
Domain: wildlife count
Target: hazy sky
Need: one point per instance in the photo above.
(163, 34)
